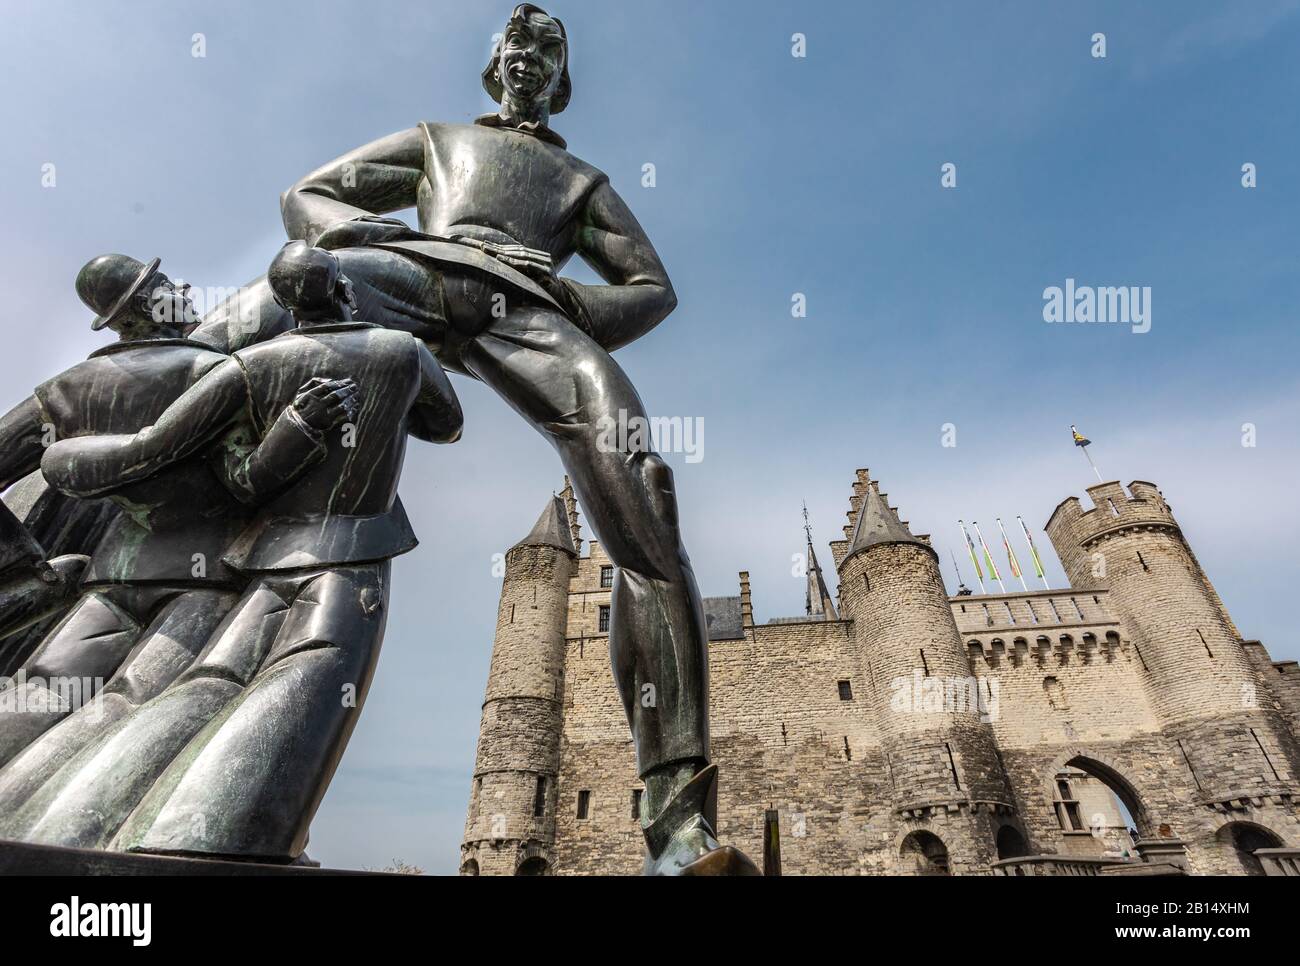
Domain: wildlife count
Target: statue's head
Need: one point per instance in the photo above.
(531, 64)
(134, 299)
(310, 283)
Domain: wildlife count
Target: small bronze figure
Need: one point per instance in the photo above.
(156, 574)
(233, 759)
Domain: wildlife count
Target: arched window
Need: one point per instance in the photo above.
(1011, 844)
(470, 867)
(535, 865)
(924, 853)
(1245, 838)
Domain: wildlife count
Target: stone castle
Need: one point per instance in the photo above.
(1118, 726)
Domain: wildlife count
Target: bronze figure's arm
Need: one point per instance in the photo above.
(20, 441)
(639, 295)
(347, 194)
(95, 465)
(258, 471)
(436, 416)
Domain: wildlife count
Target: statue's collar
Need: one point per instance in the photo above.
(312, 329)
(536, 128)
(124, 345)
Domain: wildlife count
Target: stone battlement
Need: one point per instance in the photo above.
(1113, 510)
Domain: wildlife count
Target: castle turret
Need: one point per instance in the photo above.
(510, 828)
(940, 753)
(1197, 673)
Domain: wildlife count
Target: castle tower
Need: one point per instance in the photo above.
(510, 828)
(1197, 673)
(943, 765)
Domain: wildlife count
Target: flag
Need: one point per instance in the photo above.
(1011, 554)
(1079, 438)
(988, 557)
(970, 547)
(1033, 551)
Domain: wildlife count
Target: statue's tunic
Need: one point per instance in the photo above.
(174, 526)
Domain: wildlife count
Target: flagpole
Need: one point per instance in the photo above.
(993, 568)
(1083, 443)
(1011, 557)
(1033, 552)
(970, 548)
(961, 584)
(1092, 464)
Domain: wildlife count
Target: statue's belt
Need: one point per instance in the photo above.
(446, 252)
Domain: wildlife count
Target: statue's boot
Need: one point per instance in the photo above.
(681, 841)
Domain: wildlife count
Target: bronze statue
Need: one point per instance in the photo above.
(155, 587)
(233, 758)
(502, 206)
(228, 753)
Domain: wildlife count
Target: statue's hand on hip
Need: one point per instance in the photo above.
(366, 230)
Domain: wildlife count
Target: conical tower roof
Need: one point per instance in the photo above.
(552, 528)
(878, 524)
(820, 603)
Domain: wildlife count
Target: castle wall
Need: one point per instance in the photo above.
(1100, 683)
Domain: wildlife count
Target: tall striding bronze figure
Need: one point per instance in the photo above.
(502, 206)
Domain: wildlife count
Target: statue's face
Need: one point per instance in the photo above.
(532, 58)
(169, 303)
(161, 309)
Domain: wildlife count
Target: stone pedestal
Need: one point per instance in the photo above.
(21, 858)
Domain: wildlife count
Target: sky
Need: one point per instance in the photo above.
(779, 180)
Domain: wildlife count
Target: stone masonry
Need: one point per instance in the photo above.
(1120, 724)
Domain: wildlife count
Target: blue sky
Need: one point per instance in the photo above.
(775, 175)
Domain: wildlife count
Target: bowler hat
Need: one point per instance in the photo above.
(107, 285)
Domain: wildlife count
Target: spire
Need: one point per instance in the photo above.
(878, 523)
(819, 602)
(571, 510)
(552, 528)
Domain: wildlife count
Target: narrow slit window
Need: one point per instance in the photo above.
(539, 797)
(584, 804)
(952, 764)
(846, 690)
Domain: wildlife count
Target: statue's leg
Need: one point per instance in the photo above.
(170, 644)
(390, 289)
(66, 670)
(576, 395)
(250, 781)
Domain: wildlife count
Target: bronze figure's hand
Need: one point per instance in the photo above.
(366, 230)
(325, 404)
